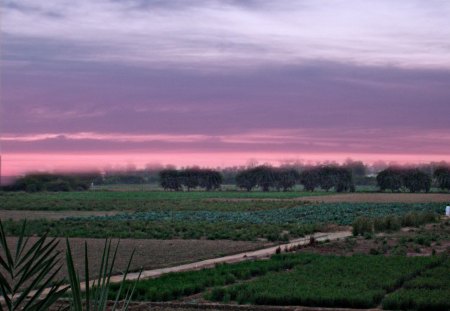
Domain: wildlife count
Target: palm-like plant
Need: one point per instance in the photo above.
(28, 277)
(28, 273)
(96, 292)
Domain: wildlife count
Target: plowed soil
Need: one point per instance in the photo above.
(151, 254)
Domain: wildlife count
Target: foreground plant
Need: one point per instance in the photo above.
(95, 296)
(28, 277)
(28, 273)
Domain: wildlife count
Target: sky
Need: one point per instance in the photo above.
(109, 83)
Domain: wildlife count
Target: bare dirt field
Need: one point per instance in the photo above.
(152, 254)
(358, 198)
(49, 215)
(381, 198)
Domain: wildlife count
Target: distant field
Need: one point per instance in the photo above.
(49, 215)
(156, 200)
(197, 200)
(382, 198)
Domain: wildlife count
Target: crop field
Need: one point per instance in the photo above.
(274, 224)
(379, 268)
(49, 215)
(303, 279)
(155, 200)
(197, 200)
(429, 291)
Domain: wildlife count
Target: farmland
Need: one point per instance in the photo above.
(303, 279)
(274, 224)
(173, 228)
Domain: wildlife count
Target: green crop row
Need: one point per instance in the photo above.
(161, 229)
(429, 291)
(328, 281)
(363, 225)
(176, 285)
(145, 201)
(338, 213)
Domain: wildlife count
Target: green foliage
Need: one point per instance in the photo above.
(442, 175)
(327, 177)
(191, 178)
(429, 291)
(144, 201)
(395, 178)
(390, 179)
(28, 271)
(53, 182)
(28, 277)
(339, 213)
(95, 296)
(176, 285)
(363, 225)
(328, 281)
(162, 229)
(233, 223)
(416, 180)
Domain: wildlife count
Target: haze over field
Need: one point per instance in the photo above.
(95, 83)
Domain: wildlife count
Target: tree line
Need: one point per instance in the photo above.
(53, 182)
(263, 177)
(190, 178)
(397, 179)
(340, 178)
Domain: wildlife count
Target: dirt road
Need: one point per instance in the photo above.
(251, 255)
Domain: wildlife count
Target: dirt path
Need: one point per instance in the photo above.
(209, 263)
(251, 255)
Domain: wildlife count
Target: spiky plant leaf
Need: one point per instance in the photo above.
(29, 277)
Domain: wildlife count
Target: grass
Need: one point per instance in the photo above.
(328, 281)
(177, 285)
(292, 279)
(429, 291)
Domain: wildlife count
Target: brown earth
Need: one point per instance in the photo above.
(49, 215)
(152, 254)
(382, 198)
(375, 197)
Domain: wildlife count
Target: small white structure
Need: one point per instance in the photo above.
(447, 211)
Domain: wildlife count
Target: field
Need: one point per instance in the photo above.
(172, 228)
(152, 254)
(361, 281)
(273, 216)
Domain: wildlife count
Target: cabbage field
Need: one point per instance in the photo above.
(336, 213)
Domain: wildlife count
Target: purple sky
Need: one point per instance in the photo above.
(198, 81)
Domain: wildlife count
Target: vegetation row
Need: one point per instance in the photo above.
(341, 178)
(275, 225)
(177, 285)
(366, 225)
(429, 291)
(329, 281)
